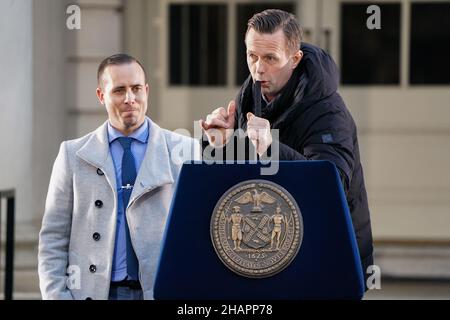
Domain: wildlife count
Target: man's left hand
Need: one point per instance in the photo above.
(258, 131)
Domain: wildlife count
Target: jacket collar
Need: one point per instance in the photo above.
(155, 170)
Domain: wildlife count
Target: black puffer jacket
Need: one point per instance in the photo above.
(315, 124)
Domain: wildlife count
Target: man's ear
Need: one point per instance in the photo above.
(296, 58)
(100, 95)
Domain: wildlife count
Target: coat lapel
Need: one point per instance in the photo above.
(155, 170)
(96, 152)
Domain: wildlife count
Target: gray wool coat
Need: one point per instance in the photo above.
(71, 263)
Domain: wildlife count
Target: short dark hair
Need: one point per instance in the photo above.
(117, 59)
(271, 20)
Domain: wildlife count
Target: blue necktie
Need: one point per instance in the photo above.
(128, 179)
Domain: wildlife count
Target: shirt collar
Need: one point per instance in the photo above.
(140, 134)
(264, 99)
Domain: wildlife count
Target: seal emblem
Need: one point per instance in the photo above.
(256, 228)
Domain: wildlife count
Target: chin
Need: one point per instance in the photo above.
(266, 92)
(129, 122)
(132, 121)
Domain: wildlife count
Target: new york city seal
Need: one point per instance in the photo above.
(256, 228)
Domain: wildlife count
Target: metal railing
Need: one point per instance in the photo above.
(9, 196)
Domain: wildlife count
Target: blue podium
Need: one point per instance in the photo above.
(327, 265)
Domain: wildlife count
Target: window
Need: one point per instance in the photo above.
(430, 43)
(244, 13)
(198, 44)
(370, 56)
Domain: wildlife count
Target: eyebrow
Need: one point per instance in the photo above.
(133, 85)
(264, 55)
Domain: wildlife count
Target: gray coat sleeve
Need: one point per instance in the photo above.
(54, 236)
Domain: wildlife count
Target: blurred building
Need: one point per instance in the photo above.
(395, 80)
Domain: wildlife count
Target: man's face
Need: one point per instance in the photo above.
(270, 61)
(124, 93)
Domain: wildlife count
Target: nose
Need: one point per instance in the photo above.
(259, 66)
(130, 97)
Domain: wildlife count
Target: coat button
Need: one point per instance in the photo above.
(96, 236)
(92, 268)
(98, 203)
(100, 172)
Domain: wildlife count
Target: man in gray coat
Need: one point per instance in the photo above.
(109, 196)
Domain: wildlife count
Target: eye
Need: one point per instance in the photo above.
(137, 89)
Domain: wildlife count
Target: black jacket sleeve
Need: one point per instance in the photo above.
(287, 153)
(332, 138)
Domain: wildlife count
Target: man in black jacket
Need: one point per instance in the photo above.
(299, 98)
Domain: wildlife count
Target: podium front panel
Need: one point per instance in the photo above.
(327, 265)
